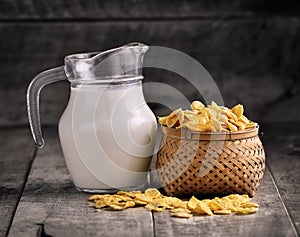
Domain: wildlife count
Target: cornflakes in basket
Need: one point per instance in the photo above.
(210, 118)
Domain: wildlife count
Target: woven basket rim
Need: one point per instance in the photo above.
(186, 134)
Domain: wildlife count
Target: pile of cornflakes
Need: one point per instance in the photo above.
(210, 118)
(153, 200)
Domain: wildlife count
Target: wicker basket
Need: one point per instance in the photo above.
(190, 163)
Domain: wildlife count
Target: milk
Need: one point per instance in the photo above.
(107, 133)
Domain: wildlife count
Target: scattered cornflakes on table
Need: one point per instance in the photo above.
(153, 200)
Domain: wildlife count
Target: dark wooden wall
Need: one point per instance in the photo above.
(251, 48)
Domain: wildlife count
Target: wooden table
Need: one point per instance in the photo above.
(37, 197)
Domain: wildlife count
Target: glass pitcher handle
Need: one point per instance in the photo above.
(33, 93)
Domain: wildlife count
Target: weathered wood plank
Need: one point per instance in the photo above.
(282, 143)
(51, 202)
(253, 47)
(284, 109)
(271, 219)
(74, 9)
(254, 62)
(16, 154)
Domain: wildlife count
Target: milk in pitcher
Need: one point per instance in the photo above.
(109, 138)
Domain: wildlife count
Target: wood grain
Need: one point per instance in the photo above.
(257, 66)
(102, 10)
(51, 203)
(16, 154)
(282, 142)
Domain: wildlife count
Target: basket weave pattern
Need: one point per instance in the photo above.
(210, 164)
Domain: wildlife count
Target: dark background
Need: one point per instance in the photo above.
(251, 48)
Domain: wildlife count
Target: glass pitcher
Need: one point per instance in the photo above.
(107, 131)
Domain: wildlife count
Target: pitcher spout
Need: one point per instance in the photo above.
(139, 48)
(124, 61)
